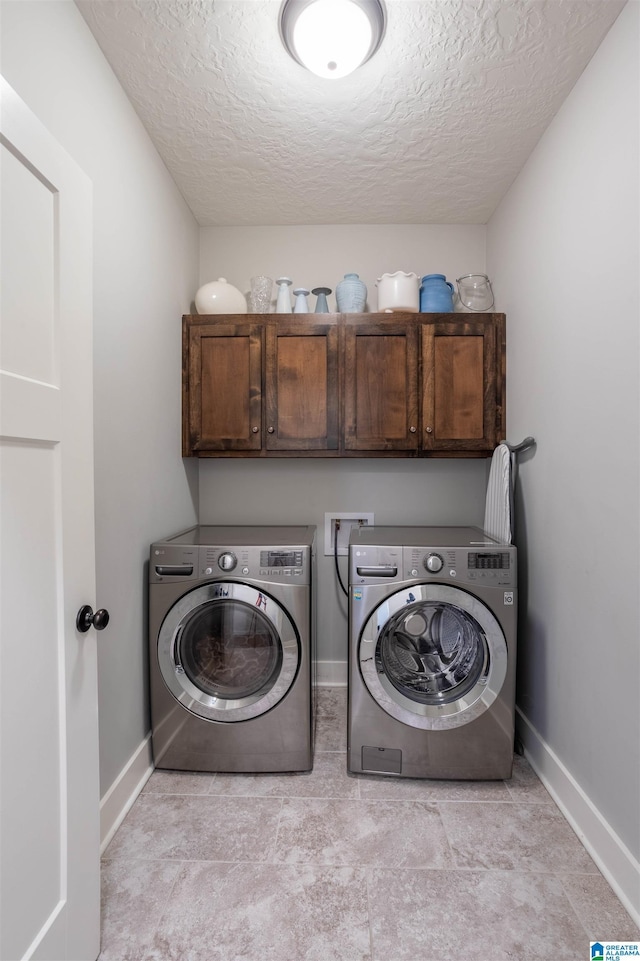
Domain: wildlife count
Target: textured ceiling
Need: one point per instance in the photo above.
(433, 129)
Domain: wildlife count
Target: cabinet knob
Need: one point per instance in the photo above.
(270, 430)
(429, 430)
(412, 430)
(254, 430)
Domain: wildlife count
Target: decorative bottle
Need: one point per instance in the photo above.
(283, 303)
(301, 306)
(351, 295)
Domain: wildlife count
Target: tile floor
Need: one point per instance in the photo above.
(327, 867)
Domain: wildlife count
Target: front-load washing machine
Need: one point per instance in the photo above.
(231, 635)
(432, 653)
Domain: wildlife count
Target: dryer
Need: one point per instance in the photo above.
(231, 638)
(432, 653)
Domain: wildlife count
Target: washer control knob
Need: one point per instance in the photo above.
(433, 563)
(227, 561)
(208, 570)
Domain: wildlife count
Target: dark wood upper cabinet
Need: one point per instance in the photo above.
(301, 381)
(223, 388)
(343, 385)
(462, 384)
(381, 386)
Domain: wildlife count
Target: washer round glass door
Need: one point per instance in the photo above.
(228, 652)
(433, 656)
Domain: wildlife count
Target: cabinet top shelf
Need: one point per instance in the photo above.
(399, 315)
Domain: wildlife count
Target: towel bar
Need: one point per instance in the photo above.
(523, 445)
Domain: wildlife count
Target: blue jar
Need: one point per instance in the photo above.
(436, 295)
(351, 295)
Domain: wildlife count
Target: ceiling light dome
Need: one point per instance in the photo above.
(331, 38)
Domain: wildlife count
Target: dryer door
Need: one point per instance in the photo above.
(228, 652)
(433, 656)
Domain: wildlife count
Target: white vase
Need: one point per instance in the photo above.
(219, 297)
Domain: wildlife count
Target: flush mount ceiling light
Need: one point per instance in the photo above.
(331, 38)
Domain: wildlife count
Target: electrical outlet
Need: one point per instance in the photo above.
(347, 519)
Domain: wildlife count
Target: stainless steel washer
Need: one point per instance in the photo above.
(432, 653)
(231, 639)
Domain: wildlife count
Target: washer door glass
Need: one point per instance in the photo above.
(432, 652)
(229, 649)
(228, 652)
(433, 656)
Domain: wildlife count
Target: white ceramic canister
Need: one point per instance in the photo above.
(219, 297)
(399, 291)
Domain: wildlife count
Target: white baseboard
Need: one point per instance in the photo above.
(612, 857)
(118, 800)
(331, 674)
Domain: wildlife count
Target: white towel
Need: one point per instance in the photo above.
(498, 508)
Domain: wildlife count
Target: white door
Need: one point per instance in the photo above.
(49, 792)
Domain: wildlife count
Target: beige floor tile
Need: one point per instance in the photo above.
(455, 915)
(134, 896)
(178, 782)
(331, 702)
(429, 790)
(328, 779)
(525, 837)
(603, 916)
(331, 734)
(197, 828)
(248, 912)
(525, 784)
(393, 833)
(326, 866)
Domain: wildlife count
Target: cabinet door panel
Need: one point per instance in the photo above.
(459, 386)
(381, 387)
(302, 387)
(225, 388)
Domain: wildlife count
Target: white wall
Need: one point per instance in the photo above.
(300, 490)
(320, 256)
(145, 273)
(564, 255)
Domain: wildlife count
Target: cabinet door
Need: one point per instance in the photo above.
(225, 388)
(302, 387)
(381, 386)
(460, 384)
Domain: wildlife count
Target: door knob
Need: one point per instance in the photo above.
(86, 619)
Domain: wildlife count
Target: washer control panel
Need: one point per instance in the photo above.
(263, 563)
(179, 563)
(490, 567)
(456, 555)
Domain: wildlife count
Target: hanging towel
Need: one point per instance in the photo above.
(499, 507)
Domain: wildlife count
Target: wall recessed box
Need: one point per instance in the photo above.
(343, 385)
